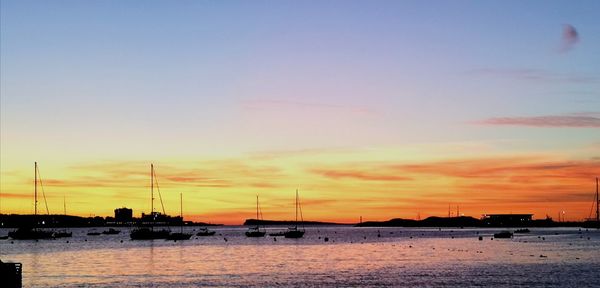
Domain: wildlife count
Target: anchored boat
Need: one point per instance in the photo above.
(180, 235)
(32, 232)
(294, 232)
(149, 233)
(256, 231)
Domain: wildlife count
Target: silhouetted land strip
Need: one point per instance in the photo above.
(254, 222)
(463, 221)
(50, 221)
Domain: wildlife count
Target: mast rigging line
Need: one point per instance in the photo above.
(42, 185)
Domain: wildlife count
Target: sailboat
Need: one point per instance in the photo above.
(294, 232)
(180, 235)
(255, 231)
(148, 233)
(591, 222)
(63, 233)
(32, 232)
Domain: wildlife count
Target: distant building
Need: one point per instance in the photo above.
(507, 220)
(123, 215)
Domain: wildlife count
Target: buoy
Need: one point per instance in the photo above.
(326, 239)
(480, 238)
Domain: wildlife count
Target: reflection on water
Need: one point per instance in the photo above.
(352, 257)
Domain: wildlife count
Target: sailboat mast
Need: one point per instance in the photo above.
(597, 203)
(181, 209)
(35, 189)
(257, 207)
(152, 190)
(296, 208)
(65, 204)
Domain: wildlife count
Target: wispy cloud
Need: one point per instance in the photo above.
(537, 75)
(359, 175)
(574, 121)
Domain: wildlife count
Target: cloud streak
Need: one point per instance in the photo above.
(571, 121)
(537, 75)
(358, 175)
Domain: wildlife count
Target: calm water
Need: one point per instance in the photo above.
(352, 257)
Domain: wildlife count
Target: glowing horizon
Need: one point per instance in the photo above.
(380, 110)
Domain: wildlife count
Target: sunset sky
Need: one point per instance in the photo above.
(378, 109)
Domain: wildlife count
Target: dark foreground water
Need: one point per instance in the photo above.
(352, 257)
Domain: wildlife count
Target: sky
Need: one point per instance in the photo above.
(379, 109)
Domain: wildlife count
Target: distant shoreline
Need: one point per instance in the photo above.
(69, 221)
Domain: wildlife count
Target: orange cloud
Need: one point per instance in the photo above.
(360, 175)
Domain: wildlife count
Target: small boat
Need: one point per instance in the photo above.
(205, 232)
(28, 233)
(255, 231)
(93, 233)
(145, 233)
(180, 235)
(33, 233)
(148, 233)
(503, 234)
(279, 233)
(63, 234)
(522, 231)
(594, 222)
(3, 237)
(294, 232)
(111, 231)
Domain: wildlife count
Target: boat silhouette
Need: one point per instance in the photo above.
(63, 233)
(294, 232)
(32, 232)
(111, 231)
(180, 235)
(149, 233)
(594, 222)
(503, 234)
(256, 231)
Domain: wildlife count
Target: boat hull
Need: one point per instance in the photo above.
(255, 234)
(147, 234)
(294, 234)
(30, 234)
(179, 236)
(111, 232)
(208, 233)
(503, 235)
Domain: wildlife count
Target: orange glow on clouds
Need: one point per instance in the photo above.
(332, 187)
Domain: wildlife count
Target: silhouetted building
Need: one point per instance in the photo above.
(507, 220)
(123, 215)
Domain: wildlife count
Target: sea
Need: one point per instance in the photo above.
(340, 256)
